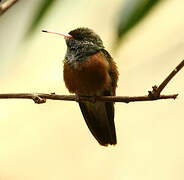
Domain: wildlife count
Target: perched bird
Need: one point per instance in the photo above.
(89, 70)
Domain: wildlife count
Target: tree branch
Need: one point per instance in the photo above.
(6, 5)
(153, 95)
(41, 98)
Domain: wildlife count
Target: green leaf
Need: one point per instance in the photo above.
(41, 12)
(132, 12)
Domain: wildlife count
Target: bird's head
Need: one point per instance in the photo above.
(81, 42)
(84, 36)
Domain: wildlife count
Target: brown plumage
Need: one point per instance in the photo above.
(89, 76)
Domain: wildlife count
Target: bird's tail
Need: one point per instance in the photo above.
(99, 117)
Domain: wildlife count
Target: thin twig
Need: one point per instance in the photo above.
(6, 5)
(41, 98)
(169, 77)
(153, 95)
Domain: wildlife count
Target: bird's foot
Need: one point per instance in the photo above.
(79, 98)
(92, 99)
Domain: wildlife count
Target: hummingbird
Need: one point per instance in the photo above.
(89, 70)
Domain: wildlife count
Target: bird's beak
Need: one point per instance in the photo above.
(61, 34)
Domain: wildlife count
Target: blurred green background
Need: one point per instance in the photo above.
(51, 141)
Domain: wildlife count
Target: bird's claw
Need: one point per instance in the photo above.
(88, 98)
(92, 99)
(77, 98)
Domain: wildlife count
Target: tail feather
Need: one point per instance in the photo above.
(99, 117)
